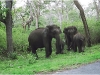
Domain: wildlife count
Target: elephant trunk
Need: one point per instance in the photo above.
(58, 50)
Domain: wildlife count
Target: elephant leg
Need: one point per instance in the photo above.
(47, 53)
(47, 50)
(34, 52)
(80, 49)
(66, 42)
(47, 45)
(50, 49)
(57, 48)
(83, 46)
(79, 46)
(83, 49)
(62, 48)
(69, 45)
(75, 48)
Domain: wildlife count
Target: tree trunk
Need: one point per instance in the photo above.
(28, 22)
(8, 23)
(99, 5)
(97, 9)
(60, 19)
(37, 26)
(84, 22)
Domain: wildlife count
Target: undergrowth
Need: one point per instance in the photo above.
(26, 63)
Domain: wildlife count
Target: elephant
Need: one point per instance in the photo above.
(69, 33)
(78, 41)
(42, 37)
(62, 43)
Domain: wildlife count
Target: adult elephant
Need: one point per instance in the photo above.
(78, 41)
(69, 33)
(42, 37)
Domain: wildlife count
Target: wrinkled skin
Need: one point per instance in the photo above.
(78, 41)
(42, 37)
(61, 45)
(69, 33)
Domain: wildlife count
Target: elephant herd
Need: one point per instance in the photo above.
(42, 38)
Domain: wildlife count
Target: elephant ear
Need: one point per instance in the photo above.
(47, 31)
(49, 27)
(65, 30)
(75, 29)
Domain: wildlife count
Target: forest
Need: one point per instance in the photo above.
(17, 23)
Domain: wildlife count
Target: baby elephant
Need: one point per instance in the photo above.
(78, 41)
(61, 45)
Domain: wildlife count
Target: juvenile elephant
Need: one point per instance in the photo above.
(62, 43)
(69, 33)
(78, 41)
(42, 37)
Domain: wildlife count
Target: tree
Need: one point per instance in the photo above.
(59, 10)
(36, 4)
(7, 20)
(97, 7)
(84, 22)
(30, 19)
(33, 11)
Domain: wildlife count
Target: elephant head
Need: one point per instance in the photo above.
(52, 31)
(70, 31)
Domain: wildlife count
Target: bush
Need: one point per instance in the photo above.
(3, 45)
(20, 39)
(13, 56)
(95, 32)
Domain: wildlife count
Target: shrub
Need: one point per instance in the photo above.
(20, 39)
(13, 56)
(3, 45)
(95, 32)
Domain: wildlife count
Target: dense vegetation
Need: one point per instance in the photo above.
(20, 36)
(23, 62)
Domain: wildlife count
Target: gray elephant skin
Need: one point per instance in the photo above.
(78, 42)
(62, 44)
(42, 37)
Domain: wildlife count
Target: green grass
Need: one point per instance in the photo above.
(26, 63)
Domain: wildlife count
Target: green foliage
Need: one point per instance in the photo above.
(13, 56)
(2, 38)
(95, 31)
(73, 15)
(41, 22)
(25, 64)
(3, 10)
(20, 39)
